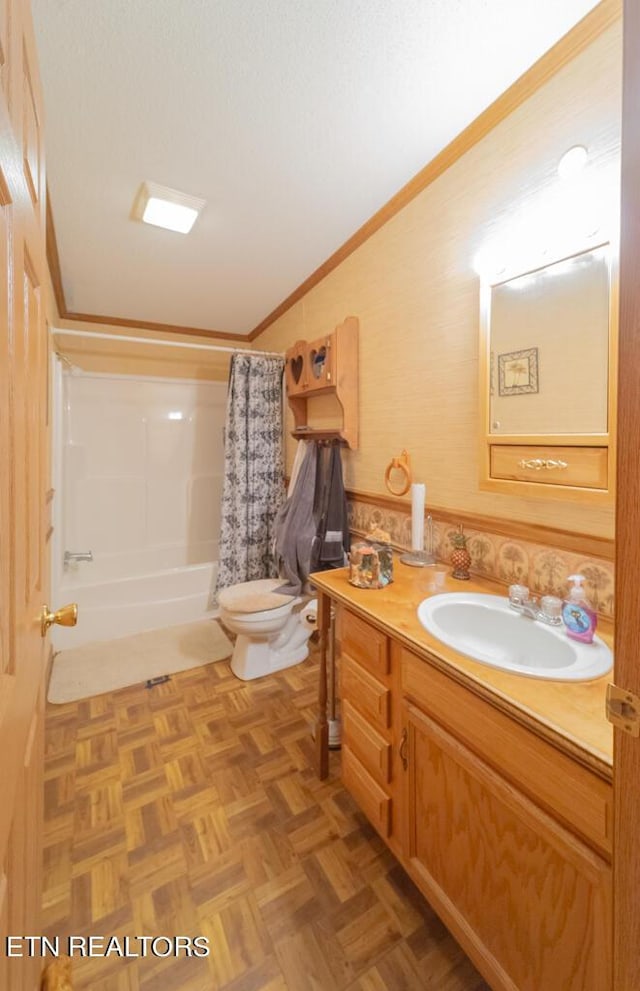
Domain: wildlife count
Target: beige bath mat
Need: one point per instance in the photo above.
(104, 667)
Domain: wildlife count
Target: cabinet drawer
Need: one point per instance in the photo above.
(566, 789)
(582, 466)
(372, 750)
(365, 693)
(366, 644)
(372, 799)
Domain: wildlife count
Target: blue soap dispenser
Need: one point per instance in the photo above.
(579, 618)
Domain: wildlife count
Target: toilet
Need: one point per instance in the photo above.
(272, 629)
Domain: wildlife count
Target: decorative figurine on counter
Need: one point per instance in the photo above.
(460, 557)
(371, 561)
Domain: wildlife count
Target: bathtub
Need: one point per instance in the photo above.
(118, 607)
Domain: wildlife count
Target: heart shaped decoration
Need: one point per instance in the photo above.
(296, 367)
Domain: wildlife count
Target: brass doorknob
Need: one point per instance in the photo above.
(67, 616)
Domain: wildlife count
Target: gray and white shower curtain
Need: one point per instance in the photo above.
(253, 486)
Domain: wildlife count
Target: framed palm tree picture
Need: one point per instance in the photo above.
(518, 372)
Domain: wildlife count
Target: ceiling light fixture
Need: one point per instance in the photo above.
(572, 162)
(164, 207)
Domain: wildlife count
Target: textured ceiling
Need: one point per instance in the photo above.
(295, 119)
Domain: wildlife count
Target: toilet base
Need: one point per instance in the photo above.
(257, 658)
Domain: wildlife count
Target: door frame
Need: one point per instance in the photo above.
(626, 753)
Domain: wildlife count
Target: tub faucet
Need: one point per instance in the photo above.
(77, 556)
(548, 609)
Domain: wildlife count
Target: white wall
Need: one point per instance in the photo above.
(142, 472)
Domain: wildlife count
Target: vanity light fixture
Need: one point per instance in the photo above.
(488, 264)
(572, 162)
(164, 207)
(552, 222)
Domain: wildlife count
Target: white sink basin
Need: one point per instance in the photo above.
(487, 629)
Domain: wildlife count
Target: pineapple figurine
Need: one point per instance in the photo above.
(460, 557)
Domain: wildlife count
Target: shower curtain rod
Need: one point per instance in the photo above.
(165, 344)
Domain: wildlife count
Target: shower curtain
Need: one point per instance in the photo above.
(253, 487)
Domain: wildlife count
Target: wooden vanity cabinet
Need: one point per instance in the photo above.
(526, 899)
(371, 707)
(507, 837)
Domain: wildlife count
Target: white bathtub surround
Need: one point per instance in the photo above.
(140, 484)
(118, 607)
(106, 667)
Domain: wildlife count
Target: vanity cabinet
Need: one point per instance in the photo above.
(507, 837)
(371, 706)
(524, 897)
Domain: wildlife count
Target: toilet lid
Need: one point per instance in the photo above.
(255, 596)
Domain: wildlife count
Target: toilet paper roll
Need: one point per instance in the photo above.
(418, 492)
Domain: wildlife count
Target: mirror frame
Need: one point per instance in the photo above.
(545, 443)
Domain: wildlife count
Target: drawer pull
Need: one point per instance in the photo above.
(537, 464)
(404, 741)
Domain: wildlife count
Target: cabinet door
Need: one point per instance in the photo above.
(527, 900)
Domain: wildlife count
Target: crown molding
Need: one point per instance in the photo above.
(53, 260)
(603, 16)
(567, 48)
(167, 328)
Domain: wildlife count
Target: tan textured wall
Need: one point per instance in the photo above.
(413, 287)
(118, 358)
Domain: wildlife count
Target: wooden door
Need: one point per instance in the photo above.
(23, 489)
(626, 761)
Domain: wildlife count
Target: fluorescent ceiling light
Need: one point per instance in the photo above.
(164, 207)
(161, 213)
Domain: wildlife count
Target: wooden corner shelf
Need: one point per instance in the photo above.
(326, 366)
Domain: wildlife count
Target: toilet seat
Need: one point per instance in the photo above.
(254, 597)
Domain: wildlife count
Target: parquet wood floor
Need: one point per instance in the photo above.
(193, 808)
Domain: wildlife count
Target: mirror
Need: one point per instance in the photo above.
(549, 349)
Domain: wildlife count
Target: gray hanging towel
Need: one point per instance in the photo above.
(295, 528)
(331, 543)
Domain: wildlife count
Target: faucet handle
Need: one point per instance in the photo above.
(551, 609)
(518, 594)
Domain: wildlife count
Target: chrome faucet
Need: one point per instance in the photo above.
(77, 556)
(547, 610)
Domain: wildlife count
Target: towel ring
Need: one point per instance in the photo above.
(403, 464)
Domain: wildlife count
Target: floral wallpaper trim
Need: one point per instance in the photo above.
(543, 568)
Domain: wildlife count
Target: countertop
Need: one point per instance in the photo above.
(571, 715)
